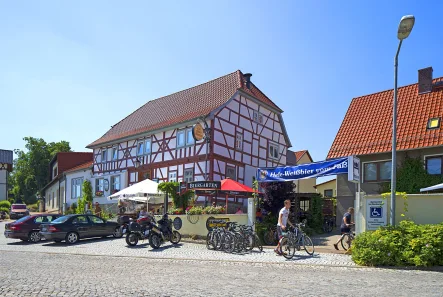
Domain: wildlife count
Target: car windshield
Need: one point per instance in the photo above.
(60, 220)
(23, 219)
(20, 206)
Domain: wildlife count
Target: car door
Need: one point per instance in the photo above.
(98, 226)
(82, 226)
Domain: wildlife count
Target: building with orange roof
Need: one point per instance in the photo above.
(366, 131)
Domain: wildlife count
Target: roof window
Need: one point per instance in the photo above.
(433, 123)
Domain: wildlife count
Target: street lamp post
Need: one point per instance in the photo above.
(404, 29)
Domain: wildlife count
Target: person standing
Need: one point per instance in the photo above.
(345, 226)
(283, 216)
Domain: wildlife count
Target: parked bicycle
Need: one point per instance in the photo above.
(233, 238)
(328, 224)
(294, 240)
(347, 238)
(270, 237)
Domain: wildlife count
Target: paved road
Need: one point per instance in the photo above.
(41, 274)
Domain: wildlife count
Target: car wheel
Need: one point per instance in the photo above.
(71, 237)
(34, 236)
(117, 232)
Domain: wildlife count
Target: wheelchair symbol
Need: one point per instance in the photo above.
(375, 212)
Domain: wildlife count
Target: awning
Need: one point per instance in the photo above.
(436, 187)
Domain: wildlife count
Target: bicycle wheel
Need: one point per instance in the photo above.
(249, 242)
(286, 248)
(308, 245)
(346, 242)
(239, 242)
(269, 237)
(228, 244)
(210, 245)
(257, 243)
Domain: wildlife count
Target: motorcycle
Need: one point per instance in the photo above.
(162, 232)
(139, 230)
(123, 221)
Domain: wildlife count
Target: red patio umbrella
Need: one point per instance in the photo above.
(229, 185)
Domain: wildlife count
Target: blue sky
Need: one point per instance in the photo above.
(70, 70)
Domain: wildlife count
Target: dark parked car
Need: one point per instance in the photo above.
(72, 228)
(28, 228)
(18, 211)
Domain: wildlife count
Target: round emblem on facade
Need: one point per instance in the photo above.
(198, 132)
(177, 223)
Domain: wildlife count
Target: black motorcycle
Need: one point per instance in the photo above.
(139, 230)
(162, 232)
(123, 221)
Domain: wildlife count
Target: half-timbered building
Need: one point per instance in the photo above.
(245, 130)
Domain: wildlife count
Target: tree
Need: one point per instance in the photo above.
(180, 201)
(275, 193)
(31, 168)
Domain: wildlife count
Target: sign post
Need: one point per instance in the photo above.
(354, 177)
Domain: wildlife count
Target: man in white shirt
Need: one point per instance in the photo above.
(282, 221)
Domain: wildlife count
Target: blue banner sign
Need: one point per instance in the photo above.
(318, 169)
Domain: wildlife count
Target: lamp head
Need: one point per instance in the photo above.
(405, 26)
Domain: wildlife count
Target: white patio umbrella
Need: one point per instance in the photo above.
(436, 187)
(141, 192)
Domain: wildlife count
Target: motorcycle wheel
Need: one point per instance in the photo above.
(175, 237)
(131, 239)
(155, 241)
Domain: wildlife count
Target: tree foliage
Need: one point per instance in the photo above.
(31, 167)
(412, 176)
(275, 194)
(180, 201)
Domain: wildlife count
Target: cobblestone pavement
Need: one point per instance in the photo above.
(118, 247)
(42, 274)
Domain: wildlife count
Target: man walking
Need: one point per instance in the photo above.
(345, 226)
(281, 225)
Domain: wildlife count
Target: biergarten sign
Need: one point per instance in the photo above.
(204, 185)
(311, 170)
(212, 222)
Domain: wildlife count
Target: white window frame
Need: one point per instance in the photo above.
(104, 155)
(186, 178)
(100, 183)
(239, 141)
(235, 172)
(55, 168)
(74, 194)
(142, 143)
(114, 153)
(169, 176)
(148, 144)
(373, 181)
(257, 117)
(184, 138)
(189, 138)
(113, 183)
(276, 147)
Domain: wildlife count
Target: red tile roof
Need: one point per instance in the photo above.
(182, 106)
(367, 126)
(83, 166)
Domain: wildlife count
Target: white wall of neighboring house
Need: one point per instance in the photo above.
(54, 198)
(3, 185)
(305, 185)
(70, 177)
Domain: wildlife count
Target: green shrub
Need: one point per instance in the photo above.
(175, 211)
(5, 204)
(33, 207)
(405, 245)
(213, 210)
(5, 209)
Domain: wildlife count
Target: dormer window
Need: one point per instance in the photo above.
(433, 123)
(55, 171)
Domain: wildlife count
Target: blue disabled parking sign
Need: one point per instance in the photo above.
(376, 212)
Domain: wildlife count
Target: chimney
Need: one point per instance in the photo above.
(247, 77)
(425, 80)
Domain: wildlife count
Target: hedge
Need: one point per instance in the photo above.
(5, 204)
(405, 245)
